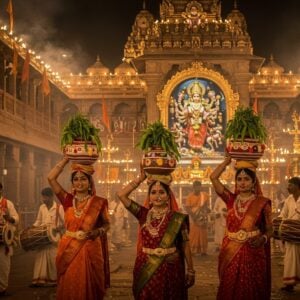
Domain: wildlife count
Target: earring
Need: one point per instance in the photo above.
(89, 189)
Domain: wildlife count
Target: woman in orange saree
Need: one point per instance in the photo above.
(82, 256)
(244, 260)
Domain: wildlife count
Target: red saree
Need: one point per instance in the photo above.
(168, 281)
(244, 271)
(82, 265)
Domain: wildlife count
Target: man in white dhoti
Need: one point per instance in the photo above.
(291, 210)
(220, 211)
(118, 225)
(51, 214)
(8, 215)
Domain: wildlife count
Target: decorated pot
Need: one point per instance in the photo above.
(81, 152)
(157, 161)
(249, 149)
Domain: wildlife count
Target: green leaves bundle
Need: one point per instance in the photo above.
(79, 127)
(246, 124)
(157, 135)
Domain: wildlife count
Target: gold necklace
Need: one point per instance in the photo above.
(239, 209)
(151, 229)
(83, 198)
(78, 212)
(157, 213)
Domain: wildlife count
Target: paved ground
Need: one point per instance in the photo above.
(121, 267)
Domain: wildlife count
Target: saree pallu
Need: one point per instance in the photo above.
(168, 280)
(82, 264)
(246, 277)
(245, 271)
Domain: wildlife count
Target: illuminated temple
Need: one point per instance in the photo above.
(191, 48)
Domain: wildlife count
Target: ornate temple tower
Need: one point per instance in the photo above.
(190, 42)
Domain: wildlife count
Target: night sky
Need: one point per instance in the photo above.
(84, 28)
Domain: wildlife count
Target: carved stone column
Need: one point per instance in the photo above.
(43, 166)
(2, 163)
(13, 182)
(29, 199)
(153, 83)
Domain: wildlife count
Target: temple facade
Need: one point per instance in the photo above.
(192, 57)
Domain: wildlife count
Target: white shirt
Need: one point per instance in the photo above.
(11, 211)
(291, 208)
(50, 217)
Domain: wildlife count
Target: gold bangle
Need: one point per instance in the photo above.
(133, 184)
(59, 166)
(265, 238)
(192, 272)
(101, 231)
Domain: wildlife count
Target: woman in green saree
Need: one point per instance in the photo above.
(163, 247)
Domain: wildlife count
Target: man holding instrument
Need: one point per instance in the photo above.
(50, 214)
(291, 211)
(8, 215)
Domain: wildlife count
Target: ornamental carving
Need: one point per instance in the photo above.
(196, 103)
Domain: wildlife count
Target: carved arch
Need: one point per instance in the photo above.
(196, 70)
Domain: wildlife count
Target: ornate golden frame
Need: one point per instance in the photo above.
(196, 70)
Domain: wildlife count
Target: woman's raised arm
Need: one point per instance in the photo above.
(54, 173)
(123, 194)
(214, 176)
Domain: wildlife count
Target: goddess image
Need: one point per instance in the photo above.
(195, 106)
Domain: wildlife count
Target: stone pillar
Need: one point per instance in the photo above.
(13, 182)
(242, 79)
(28, 201)
(2, 163)
(153, 83)
(43, 166)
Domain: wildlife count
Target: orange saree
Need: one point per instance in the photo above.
(82, 265)
(198, 224)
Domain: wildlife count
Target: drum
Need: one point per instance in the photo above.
(286, 230)
(7, 234)
(34, 238)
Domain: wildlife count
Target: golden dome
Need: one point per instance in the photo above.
(98, 68)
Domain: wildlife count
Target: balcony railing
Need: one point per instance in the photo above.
(26, 114)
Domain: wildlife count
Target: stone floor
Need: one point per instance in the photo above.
(121, 277)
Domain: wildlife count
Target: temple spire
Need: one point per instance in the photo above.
(235, 4)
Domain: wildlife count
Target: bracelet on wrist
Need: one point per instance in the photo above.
(265, 238)
(101, 231)
(134, 184)
(191, 271)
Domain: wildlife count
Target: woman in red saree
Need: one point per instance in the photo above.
(163, 247)
(244, 260)
(82, 256)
